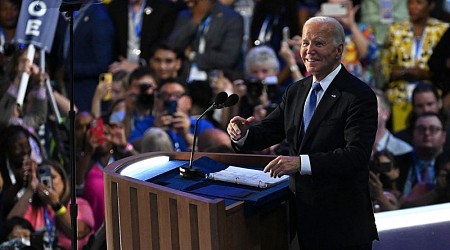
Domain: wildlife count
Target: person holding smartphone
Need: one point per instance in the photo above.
(16, 167)
(172, 107)
(49, 207)
(360, 48)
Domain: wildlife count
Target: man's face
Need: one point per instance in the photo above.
(319, 53)
(172, 92)
(165, 63)
(426, 102)
(260, 72)
(138, 84)
(428, 133)
(8, 14)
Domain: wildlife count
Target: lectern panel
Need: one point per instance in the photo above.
(161, 217)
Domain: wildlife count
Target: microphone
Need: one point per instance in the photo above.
(231, 100)
(222, 100)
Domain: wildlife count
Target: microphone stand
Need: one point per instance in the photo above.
(190, 172)
(69, 8)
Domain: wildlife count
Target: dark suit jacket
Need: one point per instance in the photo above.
(223, 41)
(333, 204)
(93, 45)
(155, 27)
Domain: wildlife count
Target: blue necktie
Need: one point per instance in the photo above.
(310, 106)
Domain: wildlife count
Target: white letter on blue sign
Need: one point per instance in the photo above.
(37, 8)
(32, 27)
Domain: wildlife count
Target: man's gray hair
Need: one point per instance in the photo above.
(339, 35)
(261, 56)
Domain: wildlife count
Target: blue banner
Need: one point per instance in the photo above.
(37, 23)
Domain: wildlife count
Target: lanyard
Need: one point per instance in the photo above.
(136, 18)
(203, 29)
(49, 223)
(262, 37)
(417, 47)
(265, 33)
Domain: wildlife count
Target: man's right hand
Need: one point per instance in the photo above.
(123, 64)
(238, 126)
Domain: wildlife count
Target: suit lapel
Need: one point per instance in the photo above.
(298, 112)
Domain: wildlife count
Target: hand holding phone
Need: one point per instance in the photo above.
(334, 9)
(170, 107)
(45, 176)
(97, 130)
(286, 34)
(107, 79)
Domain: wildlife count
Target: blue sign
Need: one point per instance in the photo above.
(37, 23)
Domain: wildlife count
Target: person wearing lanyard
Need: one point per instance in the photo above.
(49, 209)
(210, 35)
(141, 26)
(409, 45)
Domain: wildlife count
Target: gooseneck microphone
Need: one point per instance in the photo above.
(222, 100)
(231, 100)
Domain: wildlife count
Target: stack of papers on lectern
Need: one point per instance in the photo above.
(245, 176)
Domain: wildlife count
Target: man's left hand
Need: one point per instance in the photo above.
(283, 165)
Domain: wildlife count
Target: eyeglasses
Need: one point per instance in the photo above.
(168, 96)
(432, 129)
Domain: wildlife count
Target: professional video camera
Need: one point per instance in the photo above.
(255, 88)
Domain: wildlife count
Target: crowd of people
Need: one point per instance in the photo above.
(145, 70)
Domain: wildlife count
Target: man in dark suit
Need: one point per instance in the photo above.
(210, 35)
(93, 42)
(329, 158)
(151, 21)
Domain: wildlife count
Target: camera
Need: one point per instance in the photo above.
(380, 167)
(381, 162)
(45, 176)
(255, 87)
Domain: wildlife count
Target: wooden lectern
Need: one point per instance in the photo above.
(145, 215)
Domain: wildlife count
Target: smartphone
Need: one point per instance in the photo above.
(170, 107)
(334, 9)
(45, 176)
(97, 130)
(107, 79)
(381, 167)
(286, 34)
